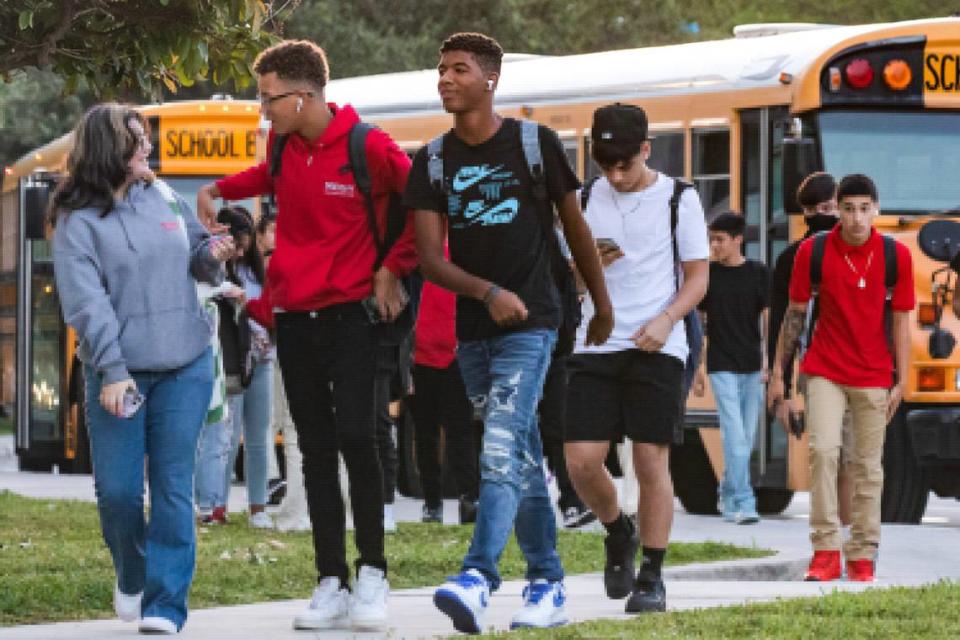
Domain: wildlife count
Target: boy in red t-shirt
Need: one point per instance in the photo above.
(848, 364)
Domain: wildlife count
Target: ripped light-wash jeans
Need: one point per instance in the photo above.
(505, 375)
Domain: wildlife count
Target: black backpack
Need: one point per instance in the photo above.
(816, 277)
(692, 325)
(391, 333)
(562, 273)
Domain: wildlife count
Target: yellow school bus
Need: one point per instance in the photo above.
(193, 143)
(745, 119)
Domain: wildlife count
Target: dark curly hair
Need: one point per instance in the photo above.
(486, 51)
(295, 60)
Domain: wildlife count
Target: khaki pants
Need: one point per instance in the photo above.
(826, 403)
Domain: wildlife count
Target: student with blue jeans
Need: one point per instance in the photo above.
(735, 310)
(508, 312)
(127, 254)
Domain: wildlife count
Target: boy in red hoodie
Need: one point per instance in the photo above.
(327, 346)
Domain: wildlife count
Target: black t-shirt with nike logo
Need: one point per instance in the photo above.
(495, 226)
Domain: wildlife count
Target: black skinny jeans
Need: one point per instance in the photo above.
(329, 363)
(553, 409)
(441, 399)
(386, 440)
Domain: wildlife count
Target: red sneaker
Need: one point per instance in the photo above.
(824, 567)
(219, 515)
(860, 570)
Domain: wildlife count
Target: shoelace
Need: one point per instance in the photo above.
(533, 593)
(467, 580)
(324, 592)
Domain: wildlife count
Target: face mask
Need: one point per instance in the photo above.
(821, 222)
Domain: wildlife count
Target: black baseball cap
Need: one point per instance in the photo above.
(619, 123)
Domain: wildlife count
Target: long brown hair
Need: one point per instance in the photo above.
(103, 144)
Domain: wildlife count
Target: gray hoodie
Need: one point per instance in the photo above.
(127, 282)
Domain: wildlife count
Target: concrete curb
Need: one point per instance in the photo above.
(778, 567)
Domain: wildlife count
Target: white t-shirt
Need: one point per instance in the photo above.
(641, 284)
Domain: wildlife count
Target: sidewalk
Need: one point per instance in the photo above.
(910, 556)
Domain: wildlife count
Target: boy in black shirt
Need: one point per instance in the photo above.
(508, 312)
(735, 311)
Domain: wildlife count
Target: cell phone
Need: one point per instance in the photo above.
(132, 401)
(369, 305)
(607, 244)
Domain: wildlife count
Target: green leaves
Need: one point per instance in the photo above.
(125, 47)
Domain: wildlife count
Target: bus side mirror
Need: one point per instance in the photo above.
(36, 195)
(799, 161)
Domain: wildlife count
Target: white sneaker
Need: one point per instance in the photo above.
(328, 607)
(157, 625)
(261, 520)
(368, 602)
(127, 607)
(297, 524)
(464, 599)
(389, 522)
(542, 606)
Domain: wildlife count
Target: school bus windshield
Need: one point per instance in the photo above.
(912, 156)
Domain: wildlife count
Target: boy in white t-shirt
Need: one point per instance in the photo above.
(631, 385)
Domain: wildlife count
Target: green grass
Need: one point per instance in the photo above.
(6, 426)
(55, 566)
(925, 612)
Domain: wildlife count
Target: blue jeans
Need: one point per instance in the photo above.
(211, 464)
(158, 557)
(251, 413)
(739, 396)
(507, 373)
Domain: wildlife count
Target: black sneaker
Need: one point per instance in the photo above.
(432, 514)
(649, 595)
(618, 571)
(577, 516)
(468, 510)
(276, 490)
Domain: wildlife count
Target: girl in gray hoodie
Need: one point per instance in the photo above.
(127, 254)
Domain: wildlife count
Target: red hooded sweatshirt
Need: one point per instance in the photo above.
(324, 251)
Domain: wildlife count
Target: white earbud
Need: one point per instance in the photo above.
(299, 104)
(489, 85)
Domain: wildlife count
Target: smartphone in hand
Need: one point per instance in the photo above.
(607, 244)
(132, 401)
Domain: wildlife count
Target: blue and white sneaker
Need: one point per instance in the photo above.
(464, 599)
(542, 606)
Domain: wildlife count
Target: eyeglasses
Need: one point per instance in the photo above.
(266, 101)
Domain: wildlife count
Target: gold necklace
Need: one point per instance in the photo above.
(862, 282)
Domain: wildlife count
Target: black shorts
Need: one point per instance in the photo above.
(628, 393)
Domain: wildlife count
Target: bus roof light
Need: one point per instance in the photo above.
(897, 75)
(786, 78)
(835, 79)
(859, 73)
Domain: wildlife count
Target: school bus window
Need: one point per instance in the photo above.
(666, 153)
(711, 169)
(912, 156)
(570, 150)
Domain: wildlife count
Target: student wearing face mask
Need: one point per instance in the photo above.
(817, 195)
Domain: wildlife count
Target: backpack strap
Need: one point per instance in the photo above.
(816, 261)
(435, 164)
(276, 154)
(586, 190)
(357, 150)
(816, 277)
(679, 186)
(530, 141)
(890, 265)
